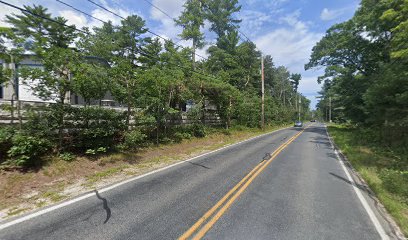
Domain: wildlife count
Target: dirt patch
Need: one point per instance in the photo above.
(58, 180)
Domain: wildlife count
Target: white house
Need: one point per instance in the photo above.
(26, 95)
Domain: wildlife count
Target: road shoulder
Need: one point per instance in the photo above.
(388, 228)
(79, 189)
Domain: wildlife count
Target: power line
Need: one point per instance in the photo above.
(149, 31)
(151, 4)
(165, 13)
(40, 16)
(87, 14)
(74, 28)
(249, 40)
(102, 7)
(76, 9)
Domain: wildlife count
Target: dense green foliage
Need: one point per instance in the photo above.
(366, 84)
(153, 80)
(366, 74)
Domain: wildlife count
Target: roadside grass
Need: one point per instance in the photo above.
(385, 169)
(53, 195)
(58, 179)
(16, 211)
(98, 176)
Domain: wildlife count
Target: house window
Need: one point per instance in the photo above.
(76, 99)
(1, 91)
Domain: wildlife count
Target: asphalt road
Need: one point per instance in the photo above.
(300, 191)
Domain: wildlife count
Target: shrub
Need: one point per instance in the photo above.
(66, 156)
(27, 150)
(178, 137)
(90, 152)
(198, 130)
(96, 151)
(395, 181)
(133, 139)
(6, 134)
(101, 150)
(94, 127)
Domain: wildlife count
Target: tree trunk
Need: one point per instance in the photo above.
(247, 81)
(61, 119)
(193, 54)
(229, 113)
(203, 105)
(296, 101)
(128, 104)
(20, 121)
(12, 108)
(157, 125)
(12, 67)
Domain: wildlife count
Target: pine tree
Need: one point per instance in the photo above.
(192, 20)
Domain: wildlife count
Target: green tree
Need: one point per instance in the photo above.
(90, 80)
(396, 15)
(11, 55)
(192, 20)
(365, 58)
(50, 41)
(295, 80)
(220, 14)
(122, 46)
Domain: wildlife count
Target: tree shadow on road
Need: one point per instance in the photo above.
(360, 186)
(105, 206)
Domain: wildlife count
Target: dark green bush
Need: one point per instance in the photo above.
(198, 130)
(132, 140)
(94, 127)
(178, 137)
(27, 150)
(6, 134)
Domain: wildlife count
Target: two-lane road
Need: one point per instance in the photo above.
(285, 185)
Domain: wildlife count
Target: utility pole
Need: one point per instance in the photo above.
(300, 101)
(296, 102)
(330, 119)
(263, 93)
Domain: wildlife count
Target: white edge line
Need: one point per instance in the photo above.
(360, 196)
(77, 199)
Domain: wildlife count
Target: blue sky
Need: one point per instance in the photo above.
(285, 29)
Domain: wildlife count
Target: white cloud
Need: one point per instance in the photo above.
(266, 3)
(252, 21)
(327, 15)
(309, 87)
(79, 20)
(290, 45)
(173, 8)
(6, 10)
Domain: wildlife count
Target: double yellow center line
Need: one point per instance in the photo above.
(226, 201)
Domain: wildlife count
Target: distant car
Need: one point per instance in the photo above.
(313, 120)
(298, 124)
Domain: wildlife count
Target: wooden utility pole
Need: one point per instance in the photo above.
(330, 118)
(263, 94)
(299, 107)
